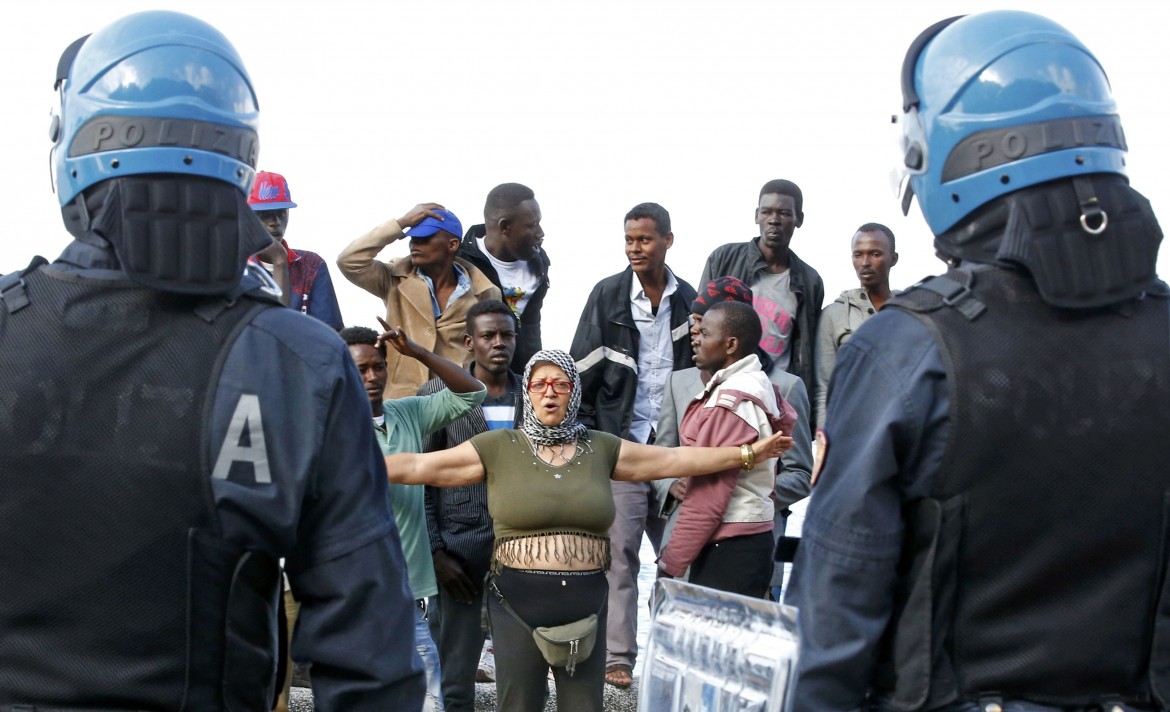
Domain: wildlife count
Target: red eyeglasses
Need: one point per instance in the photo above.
(559, 387)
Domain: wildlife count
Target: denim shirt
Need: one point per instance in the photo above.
(462, 286)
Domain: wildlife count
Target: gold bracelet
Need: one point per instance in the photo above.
(747, 457)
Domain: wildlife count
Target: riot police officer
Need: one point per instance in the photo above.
(168, 431)
(989, 525)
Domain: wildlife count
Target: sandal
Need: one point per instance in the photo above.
(619, 676)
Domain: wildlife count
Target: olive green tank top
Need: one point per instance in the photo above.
(528, 498)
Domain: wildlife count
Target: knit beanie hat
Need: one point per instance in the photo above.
(724, 289)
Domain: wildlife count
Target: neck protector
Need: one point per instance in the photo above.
(173, 233)
(1088, 241)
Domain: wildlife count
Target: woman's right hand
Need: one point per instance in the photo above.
(772, 446)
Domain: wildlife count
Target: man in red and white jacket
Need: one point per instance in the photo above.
(724, 528)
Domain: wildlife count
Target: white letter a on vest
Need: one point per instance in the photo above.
(246, 418)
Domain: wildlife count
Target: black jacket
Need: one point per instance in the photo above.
(458, 520)
(528, 336)
(744, 261)
(605, 348)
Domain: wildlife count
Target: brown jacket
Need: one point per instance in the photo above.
(408, 304)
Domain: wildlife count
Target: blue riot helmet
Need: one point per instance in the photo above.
(155, 92)
(997, 102)
(155, 151)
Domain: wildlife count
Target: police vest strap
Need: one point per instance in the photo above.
(954, 294)
(12, 289)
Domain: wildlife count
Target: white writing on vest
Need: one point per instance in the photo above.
(246, 419)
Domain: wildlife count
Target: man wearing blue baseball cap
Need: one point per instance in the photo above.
(427, 292)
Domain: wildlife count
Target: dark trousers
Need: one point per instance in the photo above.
(458, 631)
(741, 564)
(543, 599)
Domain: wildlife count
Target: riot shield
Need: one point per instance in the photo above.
(710, 651)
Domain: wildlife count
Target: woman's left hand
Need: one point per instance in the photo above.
(772, 446)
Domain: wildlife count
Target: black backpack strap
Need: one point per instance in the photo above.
(955, 295)
(12, 292)
(952, 289)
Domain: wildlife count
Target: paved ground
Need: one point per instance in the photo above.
(485, 699)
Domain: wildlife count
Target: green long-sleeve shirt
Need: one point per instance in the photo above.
(407, 422)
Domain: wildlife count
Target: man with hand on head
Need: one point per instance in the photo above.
(428, 292)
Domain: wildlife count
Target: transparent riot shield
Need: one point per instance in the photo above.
(710, 651)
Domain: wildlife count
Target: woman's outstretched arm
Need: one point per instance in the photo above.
(638, 463)
(452, 467)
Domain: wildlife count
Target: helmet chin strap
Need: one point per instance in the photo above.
(173, 233)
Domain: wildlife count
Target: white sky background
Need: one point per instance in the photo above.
(371, 107)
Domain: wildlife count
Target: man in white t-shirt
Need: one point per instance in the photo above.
(506, 248)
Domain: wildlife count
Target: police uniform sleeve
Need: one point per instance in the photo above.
(355, 605)
(885, 426)
(298, 474)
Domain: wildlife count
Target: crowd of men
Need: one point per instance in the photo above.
(989, 524)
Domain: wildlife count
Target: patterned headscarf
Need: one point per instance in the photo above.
(569, 430)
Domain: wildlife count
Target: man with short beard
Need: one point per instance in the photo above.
(873, 254)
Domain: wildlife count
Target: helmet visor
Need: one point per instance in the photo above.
(912, 156)
(174, 72)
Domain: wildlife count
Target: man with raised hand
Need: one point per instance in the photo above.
(458, 519)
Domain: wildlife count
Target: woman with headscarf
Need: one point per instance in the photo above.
(550, 501)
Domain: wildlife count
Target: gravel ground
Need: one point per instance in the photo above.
(301, 699)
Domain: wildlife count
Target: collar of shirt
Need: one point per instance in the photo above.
(462, 286)
(292, 255)
(747, 363)
(655, 355)
(641, 302)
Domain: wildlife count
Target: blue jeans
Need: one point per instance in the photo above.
(429, 652)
